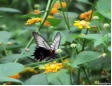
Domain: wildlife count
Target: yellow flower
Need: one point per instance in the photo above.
(4, 84)
(96, 82)
(15, 76)
(36, 11)
(33, 20)
(0, 43)
(54, 10)
(30, 69)
(82, 24)
(9, 43)
(50, 16)
(66, 60)
(47, 23)
(63, 4)
(57, 4)
(52, 67)
(102, 55)
(86, 15)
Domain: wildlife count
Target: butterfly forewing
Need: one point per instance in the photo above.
(40, 41)
(56, 42)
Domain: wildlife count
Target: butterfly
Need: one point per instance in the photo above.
(43, 50)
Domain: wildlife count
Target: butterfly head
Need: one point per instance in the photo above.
(52, 51)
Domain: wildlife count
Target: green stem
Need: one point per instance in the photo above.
(4, 50)
(71, 76)
(42, 23)
(86, 75)
(78, 77)
(30, 4)
(43, 62)
(83, 46)
(67, 23)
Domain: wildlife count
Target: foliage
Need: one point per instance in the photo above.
(85, 54)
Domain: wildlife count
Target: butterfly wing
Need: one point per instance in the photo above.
(56, 42)
(40, 41)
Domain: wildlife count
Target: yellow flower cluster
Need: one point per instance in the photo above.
(82, 24)
(34, 20)
(52, 67)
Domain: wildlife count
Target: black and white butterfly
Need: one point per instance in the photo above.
(43, 50)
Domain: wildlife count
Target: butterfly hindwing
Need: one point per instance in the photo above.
(56, 42)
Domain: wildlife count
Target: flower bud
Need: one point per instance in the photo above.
(0, 43)
(96, 82)
(41, 67)
(104, 54)
(73, 45)
(82, 34)
(51, 27)
(58, 51)
(36, 6)
(27, 49)
(106, 25)
(95, 17)
(9, 43)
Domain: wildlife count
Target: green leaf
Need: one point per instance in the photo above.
(4, 79)
(71, 15)
(104, 8)
(39, 79)
(92, 36)
(84, 57)
(31, 50)
(10, 68)
(95, 22)
(61, 77)
(107, 37)
(97, 38)
(4, 36)
(10, 58)
(84, 1)
(12, 10)
(109, 48)
(54, 21)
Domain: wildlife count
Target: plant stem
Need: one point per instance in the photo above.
(83, 46)
(29, 4)
(4, 50)
(43, 62)
(86, 75)
(42, 23)
(67, 23)
(71, 76)
(78, 77)
(44, 18)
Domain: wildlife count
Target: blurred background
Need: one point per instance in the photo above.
(14, 14)
(15, 35)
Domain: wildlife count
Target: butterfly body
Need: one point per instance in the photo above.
(43, 50)
(42, 53)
